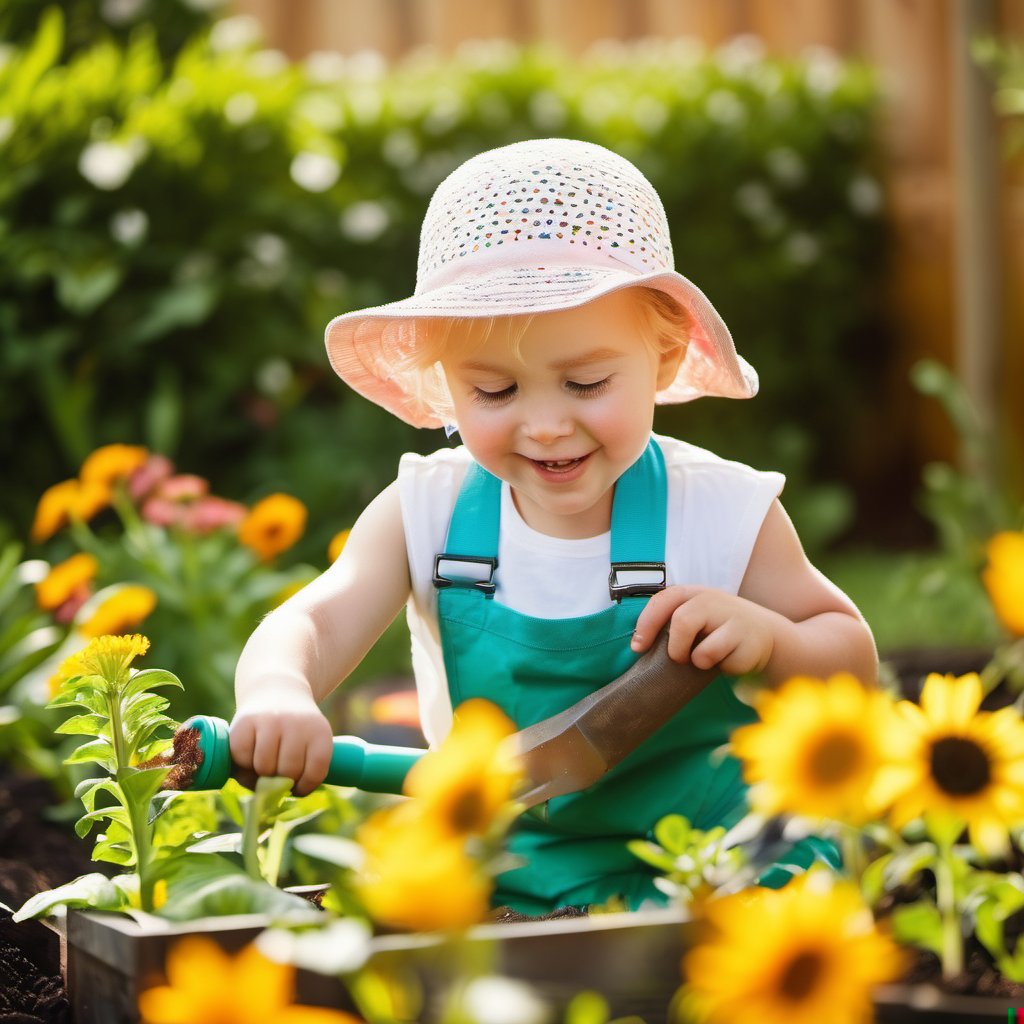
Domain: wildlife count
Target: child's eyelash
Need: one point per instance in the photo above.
(588, 390)
(482, 397)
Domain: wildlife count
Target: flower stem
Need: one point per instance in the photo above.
(945, 895)
(851, 844)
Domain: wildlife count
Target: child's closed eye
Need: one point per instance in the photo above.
(482, 397)
(588, 390)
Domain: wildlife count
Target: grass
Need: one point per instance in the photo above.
(915, 598)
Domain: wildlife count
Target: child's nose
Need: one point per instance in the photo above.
(545, 423)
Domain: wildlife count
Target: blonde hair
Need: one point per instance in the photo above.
(663, 325)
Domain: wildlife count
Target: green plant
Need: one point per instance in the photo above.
(133, 265)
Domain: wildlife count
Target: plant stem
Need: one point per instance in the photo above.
(138, 825)
(945, 897)
(851, 845)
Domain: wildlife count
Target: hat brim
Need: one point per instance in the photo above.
(366, 346)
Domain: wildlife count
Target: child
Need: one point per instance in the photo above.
(546, 324)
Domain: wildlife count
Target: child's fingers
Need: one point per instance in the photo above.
(264, 757)
(715, 648)
(657, 612)
(318, 760)
(291, 757)
(242, 742)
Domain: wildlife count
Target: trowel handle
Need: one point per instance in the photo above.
(354, 762)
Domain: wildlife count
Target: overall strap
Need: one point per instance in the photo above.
(639, 517)
(639, 512)
(470, 554)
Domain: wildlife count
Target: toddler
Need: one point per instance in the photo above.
(537, 561)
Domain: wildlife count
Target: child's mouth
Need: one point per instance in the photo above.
(555, 468)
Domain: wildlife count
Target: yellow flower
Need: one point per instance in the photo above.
(815, 750)
(954, 764)
(804, 954)
(65, 580)
(59, 504)
(273, 525)
(468, 782)
(112, 462)
(120, 612)
(338, 541)
(107, 656)
(1004, 579)
(416, 877)
(205, 985)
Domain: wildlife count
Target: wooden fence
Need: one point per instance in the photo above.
(956, 259)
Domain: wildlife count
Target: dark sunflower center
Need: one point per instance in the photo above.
(960, 766)
(467, 811)
(801, 976)
(834, 759)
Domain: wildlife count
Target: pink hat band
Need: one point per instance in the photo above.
(534, 227)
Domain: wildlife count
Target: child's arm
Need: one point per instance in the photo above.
(787, 619)
(306, 647)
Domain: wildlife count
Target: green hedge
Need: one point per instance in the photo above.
(175, 234)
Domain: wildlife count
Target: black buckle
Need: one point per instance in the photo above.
(617, 591)
(440, 581)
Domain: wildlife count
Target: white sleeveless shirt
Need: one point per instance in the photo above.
(715, 511)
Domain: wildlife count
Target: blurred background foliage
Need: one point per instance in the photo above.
(182, 211)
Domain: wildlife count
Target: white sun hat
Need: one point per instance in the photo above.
(534, 227)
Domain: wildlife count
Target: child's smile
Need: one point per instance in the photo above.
(565, 415)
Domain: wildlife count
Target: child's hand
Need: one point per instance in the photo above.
(279, 732)
(709, 628)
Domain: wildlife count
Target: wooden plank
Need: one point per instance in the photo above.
(788, 27)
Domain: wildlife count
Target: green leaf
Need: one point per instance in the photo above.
(85, 725)
(99, 751)
(651, 853)
(673, 832)
(89, 795)
(113, 853)
(151, 679)
(85, 823)
(233, 892)
(94, 890)
(83, 286)
(140, 785)
(872, 881)
(918, 924)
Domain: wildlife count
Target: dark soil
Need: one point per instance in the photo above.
(34, 855)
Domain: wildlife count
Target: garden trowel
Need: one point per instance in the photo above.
(572, 750)
(562, 754)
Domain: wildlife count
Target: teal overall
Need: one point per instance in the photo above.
(534, 668)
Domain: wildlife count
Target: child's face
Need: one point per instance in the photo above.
(567, 417)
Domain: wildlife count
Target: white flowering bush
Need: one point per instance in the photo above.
(179, 226)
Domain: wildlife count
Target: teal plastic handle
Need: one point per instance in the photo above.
(354, 762)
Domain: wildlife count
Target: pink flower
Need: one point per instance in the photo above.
(184, 487)
(144, 480)
(211, 513)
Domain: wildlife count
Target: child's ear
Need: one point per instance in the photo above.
(668, 365)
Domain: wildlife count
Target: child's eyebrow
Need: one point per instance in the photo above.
(595, 356)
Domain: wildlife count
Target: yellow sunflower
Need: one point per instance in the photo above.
(273, 525)
(120, 612)
(954, 765)
(205, 985)
(65, 580)
(468, 782)
(815, 750)
(1004, 579)
(112, 462)
(59, 504)
(804, 954)
(416, 876)
(338, 541)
